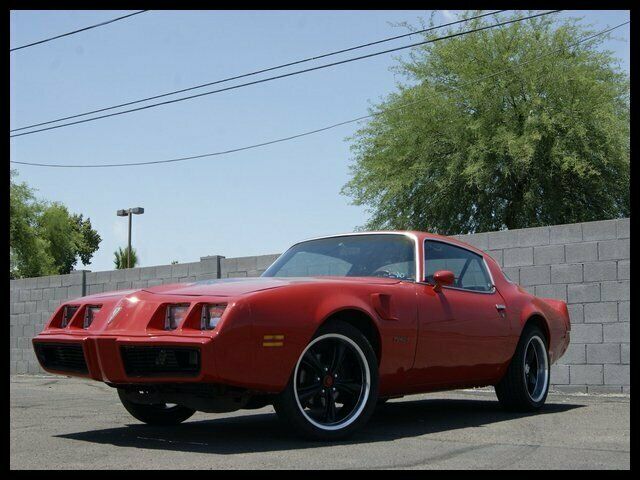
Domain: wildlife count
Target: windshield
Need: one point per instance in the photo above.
(375, 255)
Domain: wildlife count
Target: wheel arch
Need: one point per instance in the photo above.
(539, 321)
(360, 320)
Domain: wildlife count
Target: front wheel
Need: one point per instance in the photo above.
(334, 387)
(156, 414)
(526, 383)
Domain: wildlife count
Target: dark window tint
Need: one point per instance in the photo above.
(468, 268)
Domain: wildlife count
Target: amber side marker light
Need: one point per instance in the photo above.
(273, 341)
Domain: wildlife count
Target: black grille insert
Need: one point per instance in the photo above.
(68, 357)
(159, 360)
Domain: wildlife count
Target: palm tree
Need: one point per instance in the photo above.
(121, 258)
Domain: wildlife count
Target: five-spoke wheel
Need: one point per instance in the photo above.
(332, 381)
(333, 388)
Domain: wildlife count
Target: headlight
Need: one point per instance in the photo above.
(89, 314)
(211, 315)
(67, 314)
(175, 316)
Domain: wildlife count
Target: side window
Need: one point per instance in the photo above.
(468, 268)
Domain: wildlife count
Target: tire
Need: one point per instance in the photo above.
(525, 385)
(160, 414)
(310, 404)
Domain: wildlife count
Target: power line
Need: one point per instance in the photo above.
(77, 31)
(311, 132)
(256, 72)
(277, 77)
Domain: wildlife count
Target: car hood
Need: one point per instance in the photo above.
(231, 287)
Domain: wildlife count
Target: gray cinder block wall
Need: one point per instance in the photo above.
(585, 264)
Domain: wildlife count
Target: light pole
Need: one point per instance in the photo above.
(128, 213)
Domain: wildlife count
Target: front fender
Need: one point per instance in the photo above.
(284, 320)
(280, 333)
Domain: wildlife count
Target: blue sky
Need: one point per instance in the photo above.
(248, 203)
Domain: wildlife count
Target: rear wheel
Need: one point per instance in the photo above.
(156, 414)
(334, 387)
(526, 383)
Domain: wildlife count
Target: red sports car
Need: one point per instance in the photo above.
(336, 325)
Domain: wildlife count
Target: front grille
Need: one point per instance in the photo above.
(68, 357)
(154, 361)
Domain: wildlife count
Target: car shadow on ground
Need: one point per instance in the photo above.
(263, 432)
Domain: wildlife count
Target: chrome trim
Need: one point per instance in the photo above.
(406, 234)
(486, 266)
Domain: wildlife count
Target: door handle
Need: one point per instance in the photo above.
(500, 307)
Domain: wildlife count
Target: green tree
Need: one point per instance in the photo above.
(44, 238)
(28, 252)
(461, 149)
(120, 258)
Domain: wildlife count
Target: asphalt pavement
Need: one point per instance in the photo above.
(66, 423)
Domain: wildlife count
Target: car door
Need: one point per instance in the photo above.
(464, 333)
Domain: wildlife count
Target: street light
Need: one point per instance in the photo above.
(128, 213)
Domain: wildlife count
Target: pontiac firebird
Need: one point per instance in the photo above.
(335, 326)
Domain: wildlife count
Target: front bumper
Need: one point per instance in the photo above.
(105, 361)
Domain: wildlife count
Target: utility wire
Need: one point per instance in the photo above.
(311, 132)
(277, 77)
(256, 72)
(76, 31)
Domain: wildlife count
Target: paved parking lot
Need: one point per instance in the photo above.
(62, 423)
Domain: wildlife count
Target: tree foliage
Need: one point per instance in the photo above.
(120, 258)
(44, 238)
(459, 148)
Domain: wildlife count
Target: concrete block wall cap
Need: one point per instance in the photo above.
(562, 234)
(623, 229)
(599, 230)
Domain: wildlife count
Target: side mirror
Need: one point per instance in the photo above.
(443, 278)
